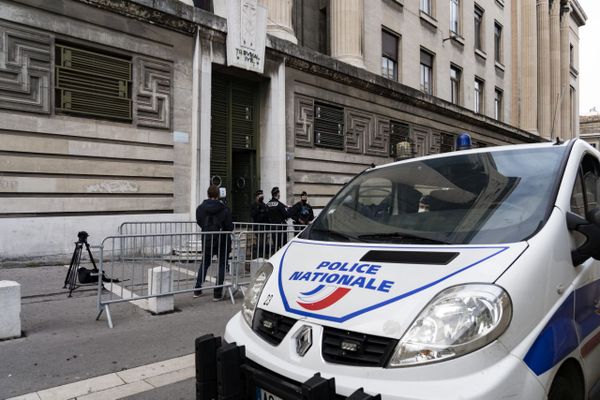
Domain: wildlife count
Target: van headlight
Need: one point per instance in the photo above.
(457, 321)
(254, 290)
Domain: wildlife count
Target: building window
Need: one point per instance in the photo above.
(478, 96)
(498, 104)
(455, 77)
(573, 116)
(455, 16)
(447, 142)
(329, 126)
(498, 42)
(426, 72)
(571, 56)
(426, 6)
(389, 55)
(478, 28)
(92, 83)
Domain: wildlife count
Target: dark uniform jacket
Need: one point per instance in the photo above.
(259, 213)
(302, 213)
(213, 215)
(278, 213)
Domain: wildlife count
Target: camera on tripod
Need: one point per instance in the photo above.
(75, 272)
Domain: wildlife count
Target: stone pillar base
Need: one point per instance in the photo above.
(159, 281)
(352, 60)
(282, 33)
(10, 304)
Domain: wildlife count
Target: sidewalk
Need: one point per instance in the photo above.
(64, 344)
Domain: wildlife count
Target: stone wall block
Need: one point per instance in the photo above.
(25, 68)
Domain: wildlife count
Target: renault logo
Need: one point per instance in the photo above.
(303, 340)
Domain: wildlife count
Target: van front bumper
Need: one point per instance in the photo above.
(489, 373)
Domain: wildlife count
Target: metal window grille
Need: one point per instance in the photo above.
(92, 84)
(329, 126)
(446, 143)
(401, 145)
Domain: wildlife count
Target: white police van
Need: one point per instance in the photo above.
(466, 275)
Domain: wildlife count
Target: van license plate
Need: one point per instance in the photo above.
(262, 394)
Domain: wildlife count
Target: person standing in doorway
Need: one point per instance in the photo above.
(260, 215)
(278, 214)
(302, 212)
(215, 217)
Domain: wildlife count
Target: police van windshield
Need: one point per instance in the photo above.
(490, 197)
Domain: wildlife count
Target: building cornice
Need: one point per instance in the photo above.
(578, 14)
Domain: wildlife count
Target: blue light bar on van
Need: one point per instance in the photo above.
(463, 142)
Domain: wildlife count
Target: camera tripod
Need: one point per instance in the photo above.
(71, 278)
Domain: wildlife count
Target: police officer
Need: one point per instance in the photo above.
(278, 214)
(260, 216)
(302, 212)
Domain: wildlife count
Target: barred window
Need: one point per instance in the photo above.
(329, 126)
(92, 84)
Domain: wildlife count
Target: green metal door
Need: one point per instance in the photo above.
(234, 141)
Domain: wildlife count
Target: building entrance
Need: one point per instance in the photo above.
(234, 138)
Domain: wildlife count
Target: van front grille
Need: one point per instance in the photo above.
(353, 348)
(270, 326)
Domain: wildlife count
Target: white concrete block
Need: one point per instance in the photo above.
(10, 309)
(159, 281)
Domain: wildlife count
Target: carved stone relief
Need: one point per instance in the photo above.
(359, 125)
(154, 82)
(378, 143)
(303, 120)
(25, 68)
(422, 139)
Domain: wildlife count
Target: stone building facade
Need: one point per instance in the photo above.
(589, 126)
(126, 111)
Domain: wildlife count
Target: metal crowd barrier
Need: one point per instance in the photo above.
(151, 227)
(228, 260)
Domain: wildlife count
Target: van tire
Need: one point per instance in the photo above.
(567, 384)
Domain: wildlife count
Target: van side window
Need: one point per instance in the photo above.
(577, 199)
(586, 193)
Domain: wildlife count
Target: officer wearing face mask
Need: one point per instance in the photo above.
(259, 211)
(302, 212)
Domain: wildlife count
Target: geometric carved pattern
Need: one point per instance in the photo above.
(25, 68)
(422, 139)
(360, 125)
(436, 142)
(303, 120)
(378, 143)
(154, 80)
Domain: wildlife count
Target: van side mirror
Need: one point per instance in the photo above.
(590, 228)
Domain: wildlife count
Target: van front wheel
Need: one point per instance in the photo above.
(568, 384)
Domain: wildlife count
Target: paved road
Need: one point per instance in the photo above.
(64, 343)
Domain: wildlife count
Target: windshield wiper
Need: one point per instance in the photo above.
(401, 237)
(337, 234)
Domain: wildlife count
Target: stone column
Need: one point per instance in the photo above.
(515, 35)
(347, 31)
(555, 68)
(529, 67)
(279, 19)
(544, 116)
(565, 131)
